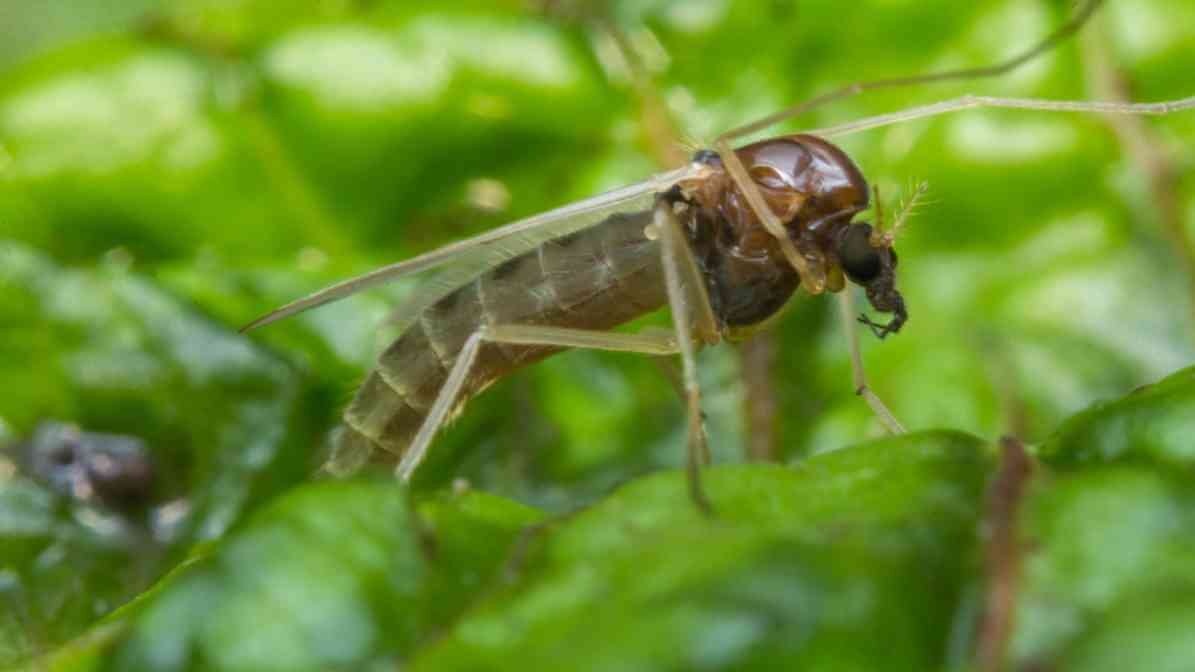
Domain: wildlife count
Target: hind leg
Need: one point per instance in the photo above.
(646, 343)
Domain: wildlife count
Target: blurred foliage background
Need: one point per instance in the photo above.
(171, 170)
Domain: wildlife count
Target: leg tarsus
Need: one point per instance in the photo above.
(881, 331)
(668, 367)
(697, 456)
(878, 407)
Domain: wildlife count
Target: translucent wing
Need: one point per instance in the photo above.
(464, 259)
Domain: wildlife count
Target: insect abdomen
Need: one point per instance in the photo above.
(596, 279)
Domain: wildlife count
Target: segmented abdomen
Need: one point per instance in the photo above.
(596, 278)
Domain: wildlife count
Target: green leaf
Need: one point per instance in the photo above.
(1107, 543)
(226, 426)
(333, 574)
(1109, 529)
(1153, 425)
(857, 556)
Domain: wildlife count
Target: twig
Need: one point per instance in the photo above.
(657, 127)
(759, 395)
(1143, 148)
(1085, 11)
(1003, 557)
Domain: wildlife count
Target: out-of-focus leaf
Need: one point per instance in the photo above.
(1108, 543)
(60, 572)
(116, 354)
(1110, 567)
(226, 426)
(858, 557)
(341, 574)
(329, 134)
(333, 574)
(865, 557)
(1155, 425)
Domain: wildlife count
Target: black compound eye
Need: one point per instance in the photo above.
(860, 260)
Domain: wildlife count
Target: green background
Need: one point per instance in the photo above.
(169, 171)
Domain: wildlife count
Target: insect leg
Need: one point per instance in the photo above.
(847, 310)
(1046, 44)
(812, 269)
(647, 342)
(675, 253)
(689, 277)
(1042, 105)
(652, 342)
(443, 404)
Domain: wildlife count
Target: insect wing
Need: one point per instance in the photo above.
(467, 258)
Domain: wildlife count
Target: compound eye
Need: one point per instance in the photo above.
(860, 260)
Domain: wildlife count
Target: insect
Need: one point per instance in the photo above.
(724, 242)
(105, 469)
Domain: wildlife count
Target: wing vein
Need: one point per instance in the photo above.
(491, 247)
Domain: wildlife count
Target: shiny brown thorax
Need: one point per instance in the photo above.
(813, 187)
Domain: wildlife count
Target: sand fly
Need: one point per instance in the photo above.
(724, 242)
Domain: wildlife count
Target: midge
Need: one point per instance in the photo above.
(724, 242)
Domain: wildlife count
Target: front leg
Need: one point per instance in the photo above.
(809, 262)
(885, 416)
(686, 292)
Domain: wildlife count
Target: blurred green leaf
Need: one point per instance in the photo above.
(1111, 527)
(226, 424)
(1108, 543)
(334, 574)
(1153, 425)
(644, 581)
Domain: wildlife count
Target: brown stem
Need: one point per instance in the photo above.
(1003, 554)
(656, 125)
(1143, 148)
(759, 397)
(1002, 373)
